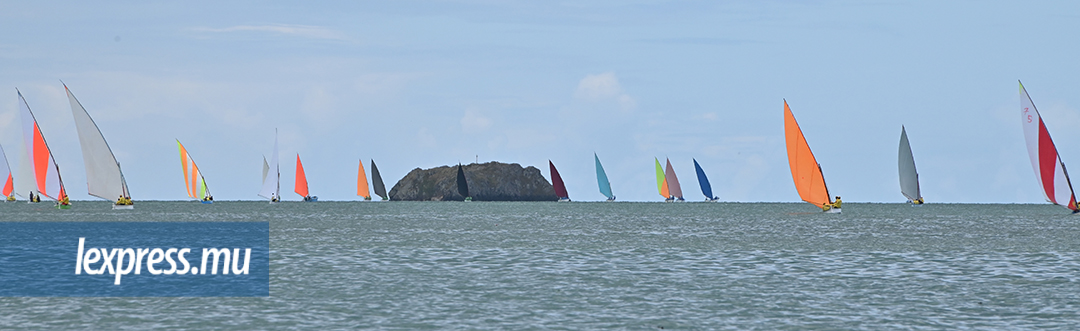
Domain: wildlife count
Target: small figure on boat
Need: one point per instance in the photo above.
(124, 201)
(11, 198)
(208, 198)
(34, 198)
(64, 201)
(311, 198)
(918, 201)
(837, 203)
(273, 197)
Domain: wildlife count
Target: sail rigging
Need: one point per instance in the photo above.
(1049, 169)
(45, 172)
(909, 177)
(673, 182)
(271, 188)
(376, 181)
(103, 176)
(361, 183)
(193, 177)
(805, 170)
(706, 188)
(602, 180)
(661, 180)
(557, 183)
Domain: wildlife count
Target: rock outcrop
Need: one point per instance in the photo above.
(492, 181)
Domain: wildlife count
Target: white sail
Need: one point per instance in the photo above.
(103, 177)
(266, 169)
(1049, 169)
(24, 182)
(909, 178)
(271, 181)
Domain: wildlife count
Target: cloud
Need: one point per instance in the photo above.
(604, 87)
(473, 121)
(305, 31)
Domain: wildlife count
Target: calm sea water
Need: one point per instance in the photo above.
(483, 265)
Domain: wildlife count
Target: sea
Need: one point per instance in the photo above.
(609, 265)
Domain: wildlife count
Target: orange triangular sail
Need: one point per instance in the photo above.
(361, 183)
(301, 178)
(804, 168)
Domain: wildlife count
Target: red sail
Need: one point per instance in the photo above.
(556, 181)
(301, 178)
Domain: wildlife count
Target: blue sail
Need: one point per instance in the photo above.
(706, 189)
(601, 179)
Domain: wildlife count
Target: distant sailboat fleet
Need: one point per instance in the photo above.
(39, 174)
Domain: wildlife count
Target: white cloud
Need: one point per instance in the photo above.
(306, 31)
(604, 87)
(473, 121)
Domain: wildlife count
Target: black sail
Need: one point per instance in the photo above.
(462, 184)
(376, 181)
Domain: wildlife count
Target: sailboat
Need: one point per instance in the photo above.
(661, 181)
(602, 181)
(376, 181)
(5, 173)
(909, 178)
(193, 177)
(1049, 169)
(706, 188)
(45, 172)
(805, 170)
(361, 183)
(463, 184)
(301, 186)
(557, 183)
(271, 188)
(103, 176)
(673, 184)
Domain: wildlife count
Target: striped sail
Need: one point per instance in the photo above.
(103, 176)
(5, 175)
(805, 170)
(601, 179)
(673, 182)
(661, 180)
(193, 177)
(1049, 170)
(361, 183)
(909, 178)
(44, 171)
(271, 188)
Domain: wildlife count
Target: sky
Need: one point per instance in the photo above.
(420, 84)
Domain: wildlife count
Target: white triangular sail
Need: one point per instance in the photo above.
(271, 188)
(1049, 169)
(909, 178)
(103, 177)
(45, 174)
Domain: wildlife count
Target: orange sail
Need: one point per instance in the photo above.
(301, 179)
(361, 183)
(804, 168)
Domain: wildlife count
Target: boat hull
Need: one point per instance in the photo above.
(63, 206)
(564, 199)
(122, 207)
(833, 211)
(208, 202)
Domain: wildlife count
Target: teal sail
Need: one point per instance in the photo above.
(706, 188)
(601, 179)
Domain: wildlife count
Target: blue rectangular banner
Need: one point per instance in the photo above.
(135, 259)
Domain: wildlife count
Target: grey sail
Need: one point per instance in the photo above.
(909, 178)
(103, 177)
(376, 181)
(462, 183)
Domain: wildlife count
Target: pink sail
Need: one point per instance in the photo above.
(557, 183)
(1049, 170)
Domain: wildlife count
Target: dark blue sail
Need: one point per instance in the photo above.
(706, 189)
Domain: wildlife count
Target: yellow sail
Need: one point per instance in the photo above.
(804, 168)
(361, 183)
(661, 180)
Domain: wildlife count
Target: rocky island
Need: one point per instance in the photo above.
(492, 181)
